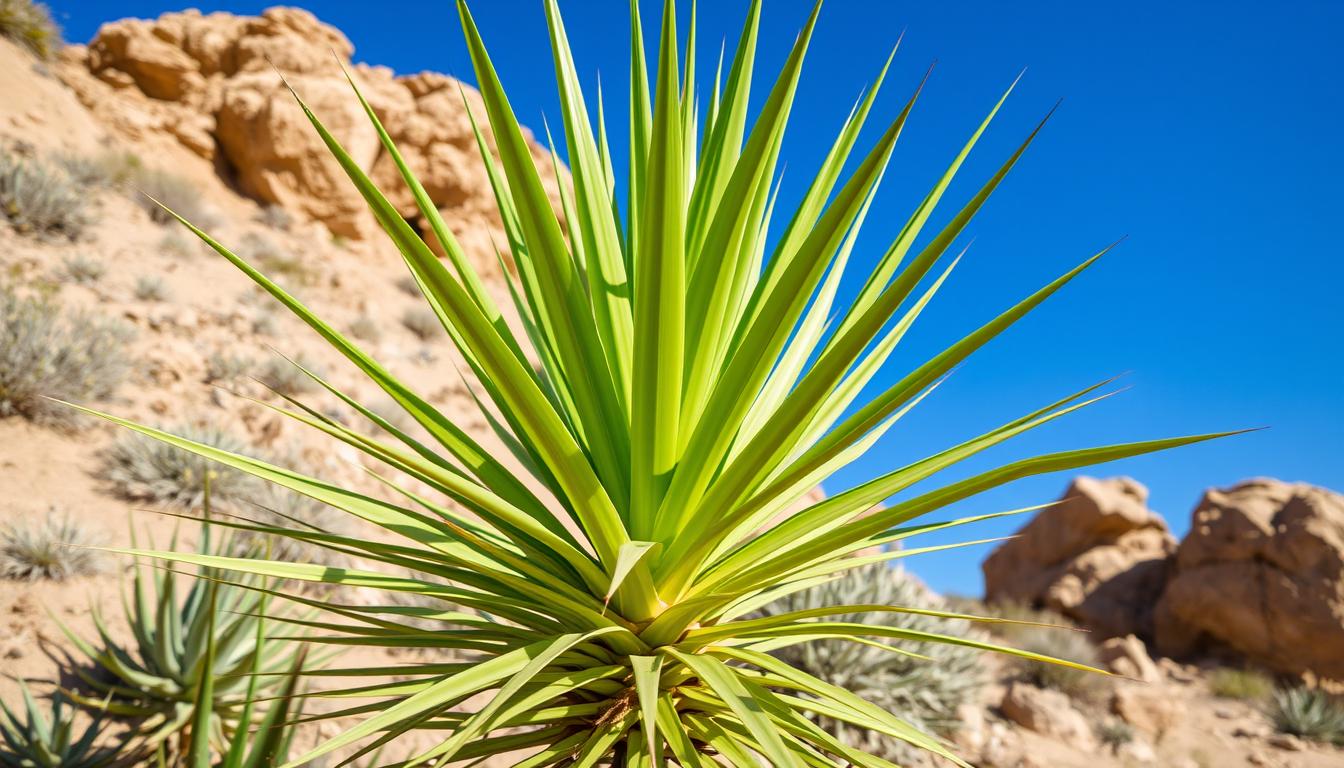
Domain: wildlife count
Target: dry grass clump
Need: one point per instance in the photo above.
(141, 469)
(29, 24)
(174, 192)
(112, 168)
(1240, 684)
(82, 270)
(223, 368)
(286, 377)
(150, 288)
(48, 352)
(365, 328)
(54, 547)
(41, 200)
(265, 254)
(407, 285)
(1060, 641)
(178, 245)
(1309, 713)
(422, 322)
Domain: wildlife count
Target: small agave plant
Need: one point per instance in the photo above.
(207, 645)
(697, 377)
(52, 740)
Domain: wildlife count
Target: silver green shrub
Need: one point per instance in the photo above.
(139, 468)
(41, 200)
(925, 692)
(49, 352)
(52, 547)
(29, 24)
(1309, 713)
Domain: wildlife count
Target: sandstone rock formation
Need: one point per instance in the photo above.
(1261, 574)
(213, 82)
(1048, 712)
(1098, 557)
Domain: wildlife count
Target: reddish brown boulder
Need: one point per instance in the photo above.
(1099, 557)
(1261, 576)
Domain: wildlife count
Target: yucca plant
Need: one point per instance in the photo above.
(208, 645)
(51, 739)
(697, 377)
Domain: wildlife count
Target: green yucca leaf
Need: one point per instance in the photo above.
(700, 371)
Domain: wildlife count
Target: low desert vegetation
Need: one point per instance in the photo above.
(407, 285)
(697, 377)
(276, 217)
(1309, 713)
(227, 368)
(52, 546)
(267, 255)
(173, 191)
(139, 469)
(422, 322)
(925, 689)
(150, 288)
(52, 738)
(288, 377)
(110, 169)
(38, 198)
(1050, 635)
(1114, 734)
(48, 351)
(176, 245)
(198, 661)
(1241, 684)
(30, 25)
(82, 270)
(365, 328)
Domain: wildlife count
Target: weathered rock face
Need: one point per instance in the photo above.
(1261, 574)
(208, 80)
(1099, 557)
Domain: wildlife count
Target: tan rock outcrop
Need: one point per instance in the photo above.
(1048, 712)
(1128, 656)
(213, 82)
(1261, 575)
(1098, 557)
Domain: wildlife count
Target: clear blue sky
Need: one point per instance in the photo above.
(1209, 133)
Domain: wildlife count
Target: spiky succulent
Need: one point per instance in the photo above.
(160, 676)
(52, 740)
(697, 377)
(925, 688)
(1308, 712)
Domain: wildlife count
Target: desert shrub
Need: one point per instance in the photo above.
(422, 322)
(139, 468)
(175, 192)
(407, 285)
(1309, 713)
(1114, 734)
(366, 328)
(29, 24)
(53, 547)
(46, 351)
(106, 169)
(50, 739)
(926, 692)
(263, 253)
(276, 217)
(179, 245)
(223, 367)
(1059, 641)
(1243, 684)
(265, 324)
(39, 199)
(286, 378)
(150, 288)
(82, 270)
